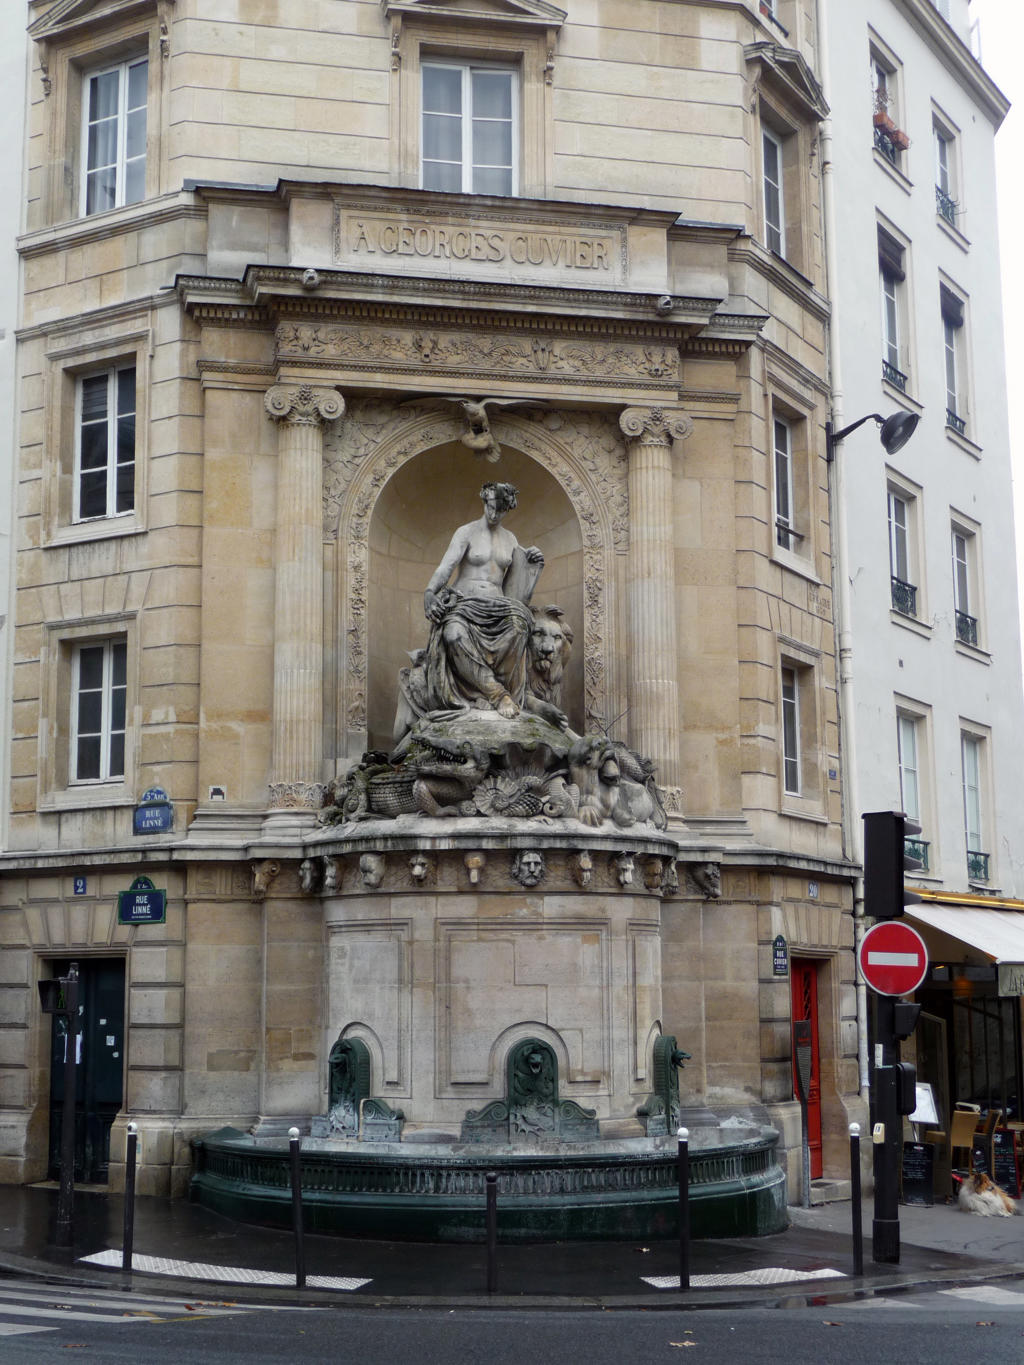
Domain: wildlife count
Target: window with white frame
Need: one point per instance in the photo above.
(901, 551)
(972, 756)
(469, 128)
(965, 590)
(98, 710)
(104, 482)
(782, 442)
(114, 136)
(790, 691)
(892, 277)
(889, 138)
(774, 191)
(944, 139)
(909, 764)
(951, 308)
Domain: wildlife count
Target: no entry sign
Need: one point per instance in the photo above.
(893, 959)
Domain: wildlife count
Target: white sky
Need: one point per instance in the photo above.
(1001, 24)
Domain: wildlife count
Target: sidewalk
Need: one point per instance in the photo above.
(940, 1245)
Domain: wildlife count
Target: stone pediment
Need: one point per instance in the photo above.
(788, 70)
(68, 16)
(518, 12)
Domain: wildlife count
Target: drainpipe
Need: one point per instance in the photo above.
(851, 825)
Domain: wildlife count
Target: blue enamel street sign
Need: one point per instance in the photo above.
(154, 814)
(142, 903)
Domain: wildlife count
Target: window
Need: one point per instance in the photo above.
(892, 277)
(952, 310)
(790, 732)
(904, 593)
(105, 444)
(99, 688)
(469, 128)
(911, 753)
(889, 138)
(966, 593)
(114, 136)
(774, 213)
(946, 205)
(972, 758)
(783, 447)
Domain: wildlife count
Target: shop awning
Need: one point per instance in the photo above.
(975, 934)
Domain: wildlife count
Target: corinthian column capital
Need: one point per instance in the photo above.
(655, 426)
(303, 405)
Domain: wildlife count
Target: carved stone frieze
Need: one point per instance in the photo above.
(296, 795)
(584, 452)
(493, 355)
(303, 404)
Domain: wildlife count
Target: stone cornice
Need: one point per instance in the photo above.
(532, 13)
(128, 310)
(957, 56)
(790, 72)
(68, 16)
(269, 291)
(782, 276)
(100, 227)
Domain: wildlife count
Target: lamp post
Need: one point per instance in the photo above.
(60, 997)
(894, 431)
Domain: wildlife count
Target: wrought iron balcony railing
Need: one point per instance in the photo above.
(885, 145)
(966, 628)
(894, 376)
(977, 866)
(918, 848)
(945, 206)
(904, 597)
(957, 423)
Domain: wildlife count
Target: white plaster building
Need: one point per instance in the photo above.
(930, 648)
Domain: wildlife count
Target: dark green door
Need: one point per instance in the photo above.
(100, 1070)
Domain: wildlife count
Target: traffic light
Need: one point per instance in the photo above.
(885, 861)
(906, 1088)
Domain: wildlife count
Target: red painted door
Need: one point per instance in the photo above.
(804, 980)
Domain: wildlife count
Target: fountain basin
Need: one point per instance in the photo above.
(606, 1190)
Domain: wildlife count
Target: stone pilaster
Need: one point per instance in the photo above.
(301, 412)
(654, 719)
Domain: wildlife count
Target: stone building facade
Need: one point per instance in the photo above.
(266, 267)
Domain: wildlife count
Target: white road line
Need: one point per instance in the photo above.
(14, 1329)
(101, 1298)
(222, 1274)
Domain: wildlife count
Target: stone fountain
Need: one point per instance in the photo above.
(492, 893)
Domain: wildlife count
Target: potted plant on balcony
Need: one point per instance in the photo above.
(900, 140)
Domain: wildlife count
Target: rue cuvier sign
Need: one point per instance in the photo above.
(386, 242)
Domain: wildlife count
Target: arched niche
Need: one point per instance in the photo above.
(413, 520)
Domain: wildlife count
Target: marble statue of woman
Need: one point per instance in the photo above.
(480, 623)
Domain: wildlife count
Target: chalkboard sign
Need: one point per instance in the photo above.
(918, 1162)
(981, 1152)
(1007, 1173)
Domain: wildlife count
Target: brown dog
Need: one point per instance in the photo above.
(979, 1194)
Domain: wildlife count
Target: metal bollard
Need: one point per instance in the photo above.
(858, 1223)
(131, 1151)
(294, 1151)
(492, 1231)
(684, 1208)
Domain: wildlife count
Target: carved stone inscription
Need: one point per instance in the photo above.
(365, 238)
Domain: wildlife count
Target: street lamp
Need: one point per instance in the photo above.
(895, 431)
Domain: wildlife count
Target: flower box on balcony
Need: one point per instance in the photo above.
(884, 120)
(899, 140)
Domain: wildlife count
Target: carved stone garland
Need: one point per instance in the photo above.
(583, 451)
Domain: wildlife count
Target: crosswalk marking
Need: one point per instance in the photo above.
(222, 1274)
(26, 1307)
(987, 1293)
(737, 1279)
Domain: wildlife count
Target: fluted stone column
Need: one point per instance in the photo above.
(654, 719)
(297, 758)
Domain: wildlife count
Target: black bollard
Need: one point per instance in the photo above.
(294, 1151)
(131, 1152)
(684, 1209)
(492, 1231)
(858, 1224)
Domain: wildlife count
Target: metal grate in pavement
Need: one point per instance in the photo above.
(223, 1274)
(736, 1280)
